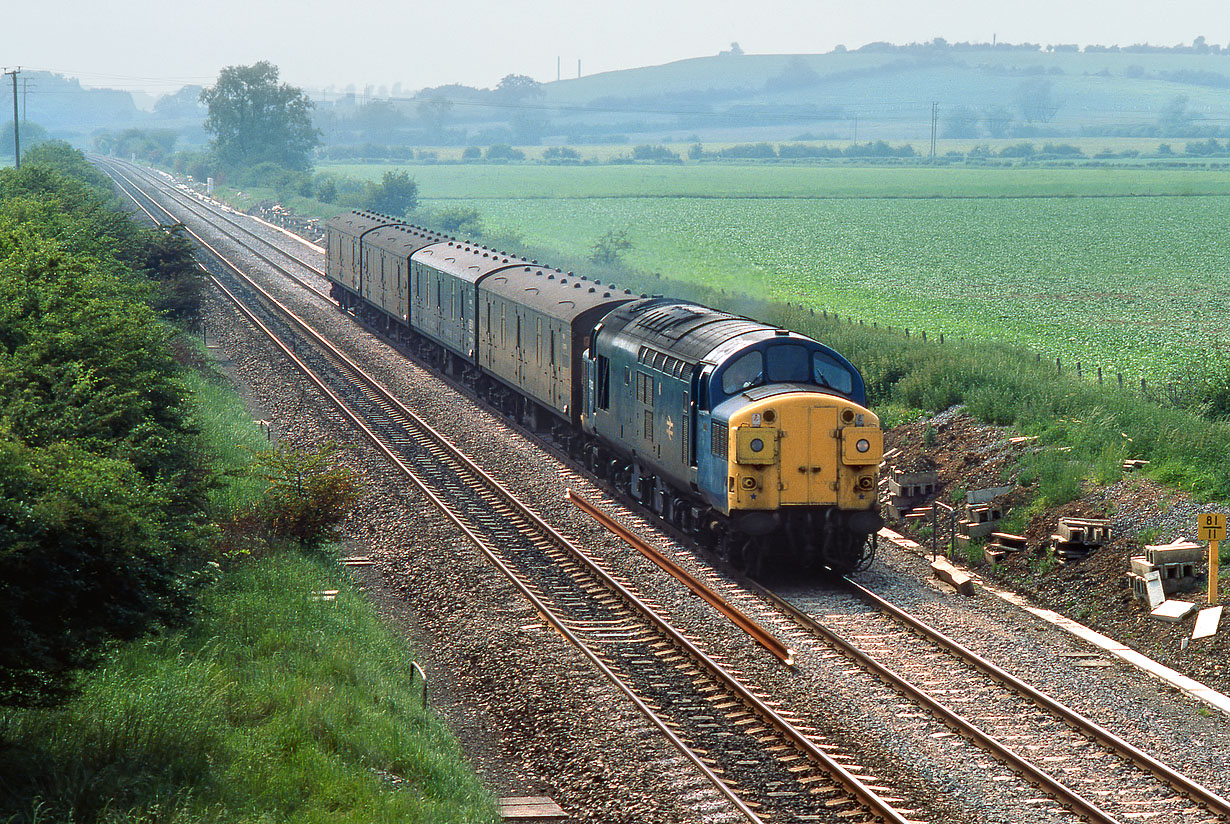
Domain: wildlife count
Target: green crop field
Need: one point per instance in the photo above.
(1127, 269)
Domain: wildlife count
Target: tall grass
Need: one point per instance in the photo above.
(275, 707)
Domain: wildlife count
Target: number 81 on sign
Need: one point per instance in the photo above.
(1211, 527)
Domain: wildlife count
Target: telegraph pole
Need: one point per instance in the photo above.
(935, 110)
(16, 134)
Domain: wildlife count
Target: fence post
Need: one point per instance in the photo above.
(414, 667)
(1078, 370)
(1099, 376)
(1058, 367)
(907, 333)
(1142, 385)
(924, 336)
(941, 337)
(1120, 380)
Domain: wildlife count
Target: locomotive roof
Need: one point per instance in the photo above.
(683, 329)
(555, 294)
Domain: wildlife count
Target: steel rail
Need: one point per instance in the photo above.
(855, 786)
(1027, 769)
(737, 617)
(557, 623)
(1164, 773)
(201, 209)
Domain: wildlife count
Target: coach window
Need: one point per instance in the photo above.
(747, 371)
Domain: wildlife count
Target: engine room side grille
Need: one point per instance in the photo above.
(721, 440)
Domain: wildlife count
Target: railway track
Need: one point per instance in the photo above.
(1085, 771)
(1080, 765)
(771, 767)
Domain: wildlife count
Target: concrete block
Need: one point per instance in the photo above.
(985, 496)
(1008, 541)
(1153, 586)
(949, 574)
(1179, 552)
(924, 478)
(976, 530)
(1085, 530)
(1206, 623)
(1137, 584)
(1140, 566)
(1173, 611)
(910, 490)
(993, 555)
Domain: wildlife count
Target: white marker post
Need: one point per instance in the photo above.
(1211, 527)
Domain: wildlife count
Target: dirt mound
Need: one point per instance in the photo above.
(969, 455)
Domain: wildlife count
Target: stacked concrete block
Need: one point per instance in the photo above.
(1075, 538)
(906, 490)
(1003, 545)
(1174, 564)
(981, 516)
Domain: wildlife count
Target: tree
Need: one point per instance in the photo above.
(31, 135)
(997, 121)
(1175, 118)
(253, 118)
(611, 247)
(514, 88)
(961, 122)
(434, 111)
(1034, 100)
(395, 194)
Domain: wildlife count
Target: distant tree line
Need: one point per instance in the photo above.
(1198, 46)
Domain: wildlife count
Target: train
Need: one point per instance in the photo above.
(753, 439)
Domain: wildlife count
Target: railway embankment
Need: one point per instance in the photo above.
(154, 668)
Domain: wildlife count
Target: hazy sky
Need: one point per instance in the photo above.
(159, 45)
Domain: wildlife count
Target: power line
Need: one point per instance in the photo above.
(16, 130)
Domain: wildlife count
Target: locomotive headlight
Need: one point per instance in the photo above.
(757, 445)
(863, 445)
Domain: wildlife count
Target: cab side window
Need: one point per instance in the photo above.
(746, 372)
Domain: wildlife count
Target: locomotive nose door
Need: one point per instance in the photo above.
(809, 457)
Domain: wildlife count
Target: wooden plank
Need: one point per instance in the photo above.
(533, 807)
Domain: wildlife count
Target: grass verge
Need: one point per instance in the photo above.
(273, 707)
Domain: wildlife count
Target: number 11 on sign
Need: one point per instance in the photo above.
(1211, 527)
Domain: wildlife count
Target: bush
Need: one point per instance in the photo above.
(656, 154)
(305, 501)
(459, 220)
(395, 194)
(502, 151)
(748, 151)
(611, 247)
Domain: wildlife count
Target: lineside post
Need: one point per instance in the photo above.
(1211, 527)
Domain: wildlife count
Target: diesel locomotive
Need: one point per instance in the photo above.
(754, 439)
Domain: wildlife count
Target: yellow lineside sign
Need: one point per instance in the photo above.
(1211, 526)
